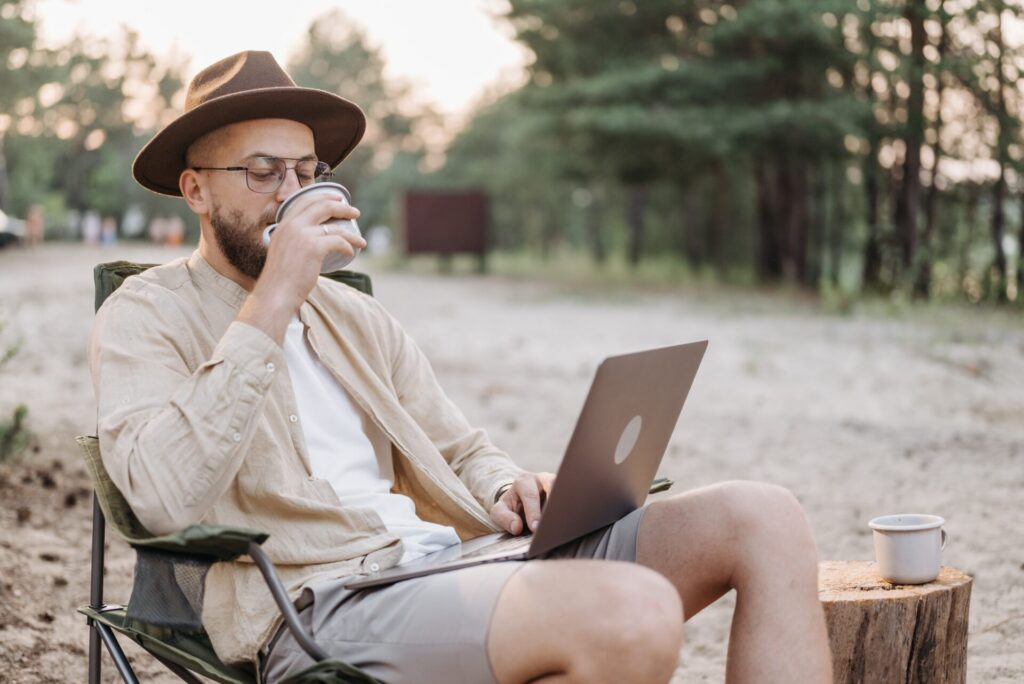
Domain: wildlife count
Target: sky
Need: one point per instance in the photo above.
(450, 50)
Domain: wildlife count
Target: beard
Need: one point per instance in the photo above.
(241, 241)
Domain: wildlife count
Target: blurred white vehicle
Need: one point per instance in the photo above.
(12, 230)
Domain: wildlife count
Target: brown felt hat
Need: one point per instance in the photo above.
(248, 85)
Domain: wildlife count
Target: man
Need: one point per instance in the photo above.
(237, 387)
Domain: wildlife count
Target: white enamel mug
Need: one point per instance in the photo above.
(908, 547)
(334, 261)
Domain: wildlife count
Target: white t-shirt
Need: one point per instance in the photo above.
(347, 449)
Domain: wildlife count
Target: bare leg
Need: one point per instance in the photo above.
(585, 621)
(753, 538)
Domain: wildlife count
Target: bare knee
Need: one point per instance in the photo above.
(638, 622)
(759, 501)
(589, 621)
(768, 519)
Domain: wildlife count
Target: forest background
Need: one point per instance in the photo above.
(846, 147)
(831, 191)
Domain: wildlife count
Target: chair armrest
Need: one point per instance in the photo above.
(217, 542)
(325, 668)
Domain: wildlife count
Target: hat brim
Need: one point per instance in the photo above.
(337, 124)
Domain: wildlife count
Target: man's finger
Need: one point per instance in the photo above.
(505, 518)
(529, 494)
(355, 241)
(336, 243)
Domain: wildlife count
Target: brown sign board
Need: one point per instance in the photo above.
(446, 221)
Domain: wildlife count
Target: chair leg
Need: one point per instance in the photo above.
(97, 631)
(95, 654)
(96, 588)
(114, 648)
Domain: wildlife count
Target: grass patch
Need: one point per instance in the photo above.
(15, 436)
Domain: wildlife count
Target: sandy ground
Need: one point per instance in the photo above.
(858, 415)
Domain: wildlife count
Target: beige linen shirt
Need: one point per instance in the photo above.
(198, 422)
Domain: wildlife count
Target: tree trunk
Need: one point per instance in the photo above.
(1002, 156)
(638, 196)
(793, 210)
(1020, 253)
(691, 236)
(594, 230)
(998, 230)
(769, 260)
(5, 191)
(894, 634)
(871, 266)
(718, 225)
(818, 220)
(534, 230)
(549, 234)
(872, 270)
(971, 219)
(923, 277)
(838, 223)
(910, 190)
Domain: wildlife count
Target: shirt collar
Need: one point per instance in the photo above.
(207, 278)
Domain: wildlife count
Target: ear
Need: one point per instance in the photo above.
(194, 191)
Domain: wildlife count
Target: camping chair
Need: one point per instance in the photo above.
(163, 612)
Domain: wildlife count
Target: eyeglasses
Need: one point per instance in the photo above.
(266, 174)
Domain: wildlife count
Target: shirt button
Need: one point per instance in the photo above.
(237, 436)
(271, 367)
(294, 418)
(374, 567)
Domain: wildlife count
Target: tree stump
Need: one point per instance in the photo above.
(882, 633)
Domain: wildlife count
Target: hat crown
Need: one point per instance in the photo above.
(249, 70)
(246, 86)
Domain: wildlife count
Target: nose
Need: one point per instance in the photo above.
(289, 185)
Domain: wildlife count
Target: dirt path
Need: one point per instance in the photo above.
(858, 415)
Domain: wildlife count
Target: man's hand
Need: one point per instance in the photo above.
(296, 252)
(522, 502)
(300, 244)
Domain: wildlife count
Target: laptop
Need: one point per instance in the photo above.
(613, 454)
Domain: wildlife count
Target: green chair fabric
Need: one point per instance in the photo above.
(191, 651)
(108, 277)
(215, 541)
(195, 653)
(115, 509)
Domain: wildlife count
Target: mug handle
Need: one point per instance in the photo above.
(267, 232)
(943, 540)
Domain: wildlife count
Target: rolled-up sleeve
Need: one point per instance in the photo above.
(174, 429)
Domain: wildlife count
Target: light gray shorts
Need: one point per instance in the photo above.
(427, 629)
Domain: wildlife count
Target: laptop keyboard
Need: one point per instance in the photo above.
(501, 546)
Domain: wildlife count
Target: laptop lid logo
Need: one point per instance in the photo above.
(628, 439)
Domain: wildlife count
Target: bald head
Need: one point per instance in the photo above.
(202, 151)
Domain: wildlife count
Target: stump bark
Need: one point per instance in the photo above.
(882, 633)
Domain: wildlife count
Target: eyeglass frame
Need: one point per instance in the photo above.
(319, 164)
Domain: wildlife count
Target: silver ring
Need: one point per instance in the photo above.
(325, 230)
